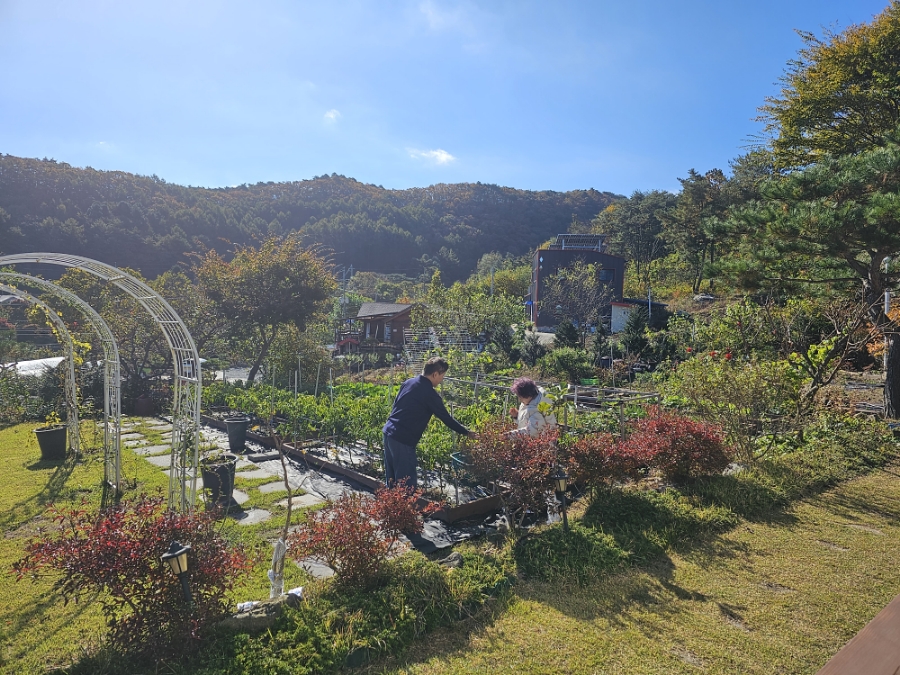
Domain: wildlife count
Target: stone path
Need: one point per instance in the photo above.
(258, 463)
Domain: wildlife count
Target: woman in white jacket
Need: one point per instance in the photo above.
(530, 419)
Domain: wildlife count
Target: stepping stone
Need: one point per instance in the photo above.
(255, 473)
(302, 501)
(272, 487)
(131, 436)
(153, 449)
(160, 460)
(161, 427)
(240, 496)
(315, 568)
(149, 450)
(243, 464)
(250, 517)
(135, 444)
(262, 456)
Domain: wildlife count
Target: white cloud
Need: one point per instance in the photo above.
(432, 14)
(332, 115)
(438, 156)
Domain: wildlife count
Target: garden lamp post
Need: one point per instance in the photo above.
(177, 559)
(561, 484)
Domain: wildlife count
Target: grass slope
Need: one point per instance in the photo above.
(780, 596)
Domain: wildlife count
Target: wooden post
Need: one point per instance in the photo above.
(622, 419)
(575, 410)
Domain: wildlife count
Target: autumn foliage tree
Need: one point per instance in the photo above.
(262, 290)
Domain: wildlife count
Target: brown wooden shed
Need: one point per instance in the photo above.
(383, 322)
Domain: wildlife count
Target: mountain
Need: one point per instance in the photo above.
(148, 224)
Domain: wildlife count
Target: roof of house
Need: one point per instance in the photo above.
(632, 302)
(376, 309)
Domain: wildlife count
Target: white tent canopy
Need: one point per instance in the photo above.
(35, 367)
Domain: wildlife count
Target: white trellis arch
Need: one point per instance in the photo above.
(187, 378)
(74, 431)
(112, 379)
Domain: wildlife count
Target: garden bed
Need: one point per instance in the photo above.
(449, 514)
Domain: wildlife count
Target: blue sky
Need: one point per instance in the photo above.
(556, 95)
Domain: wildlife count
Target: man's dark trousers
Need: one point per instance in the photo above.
(399, 463)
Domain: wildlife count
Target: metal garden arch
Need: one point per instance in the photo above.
(112, 378)
(74, 432)
(187, 379)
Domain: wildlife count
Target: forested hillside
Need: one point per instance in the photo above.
(147, 224)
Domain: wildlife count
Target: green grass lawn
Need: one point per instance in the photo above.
(777, 591)
(778, 596)
(37, 630)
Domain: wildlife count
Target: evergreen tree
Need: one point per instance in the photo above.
(600, 346)
(566, 335)
(634, 337)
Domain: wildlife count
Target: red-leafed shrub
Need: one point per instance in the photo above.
(355, 534)
(679, 447)
(522, 463)
(119, 552)
(599, 458)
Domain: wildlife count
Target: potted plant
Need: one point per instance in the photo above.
(52, 438)
(217, 469)
(143, 406)
(237, 432)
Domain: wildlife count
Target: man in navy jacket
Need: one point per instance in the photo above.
(416, 402)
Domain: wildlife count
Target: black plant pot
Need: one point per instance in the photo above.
(218, 478)
(237, 432)
(143, 406)
(52, 441)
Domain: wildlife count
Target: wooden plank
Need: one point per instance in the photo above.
(875, 650)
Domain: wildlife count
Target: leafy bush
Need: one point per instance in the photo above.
(567, 363)
(679, 447)
(747, 399)
(119, 553)
(338, 626)
(355, 534)
(596, 459)
(523, 463)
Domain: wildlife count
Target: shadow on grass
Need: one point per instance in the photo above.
(452, 641)
(15, 622)
(27, 509)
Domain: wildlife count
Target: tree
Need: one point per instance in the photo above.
(840, 95)
(836, 222)
(600, 346)
(693, 225)
(262, 290)
(633, 229)
(566, 335)
(144, 354)
(634, 337)
(466, 307)
(577, 294)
